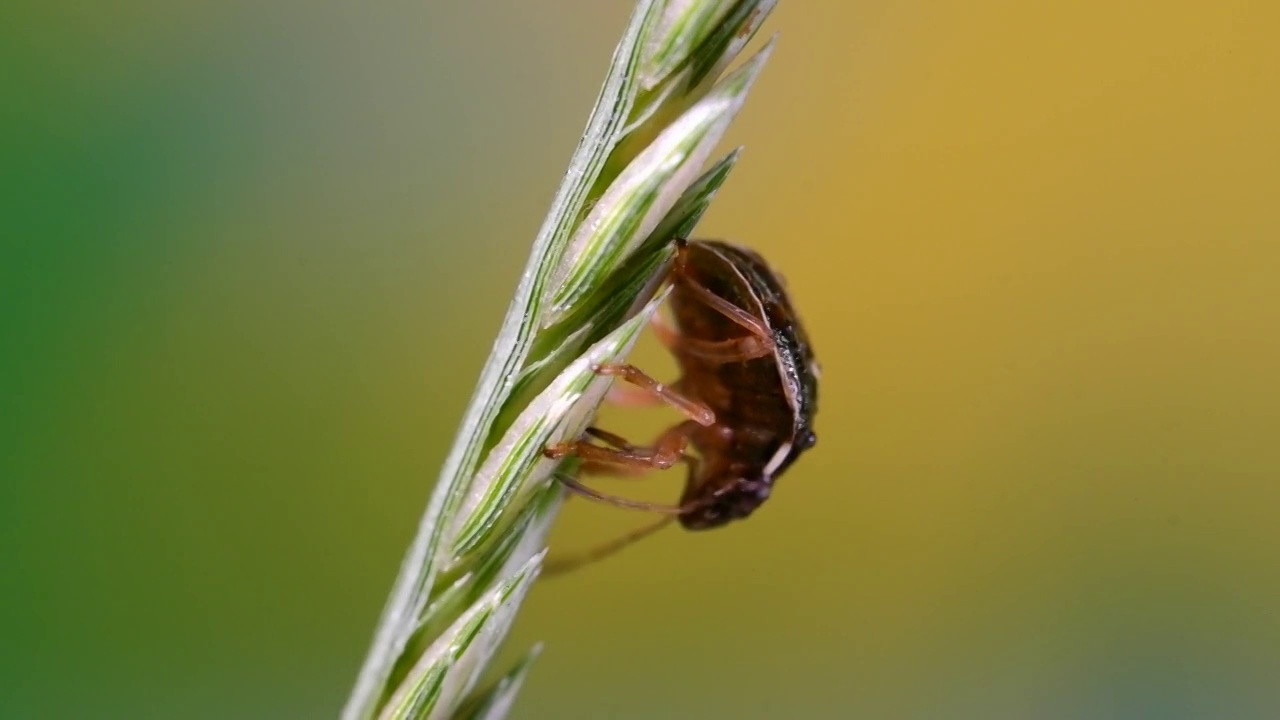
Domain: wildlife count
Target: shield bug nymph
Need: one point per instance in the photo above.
(748, 387)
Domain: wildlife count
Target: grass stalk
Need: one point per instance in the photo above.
(637, 179)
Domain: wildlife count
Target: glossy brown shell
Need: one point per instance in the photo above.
(764, 406)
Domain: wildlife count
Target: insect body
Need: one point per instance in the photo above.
(743, 353)
(748, 387)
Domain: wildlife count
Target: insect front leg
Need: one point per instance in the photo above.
(739, 316)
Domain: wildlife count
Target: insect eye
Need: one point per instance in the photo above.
(810, 440)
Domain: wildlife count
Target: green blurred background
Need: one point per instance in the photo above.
(255, 253)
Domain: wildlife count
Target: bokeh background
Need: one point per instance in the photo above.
(254, 254)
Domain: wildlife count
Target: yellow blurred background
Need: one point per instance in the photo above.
(256, 253)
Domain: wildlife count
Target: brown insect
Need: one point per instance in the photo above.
(748, 387)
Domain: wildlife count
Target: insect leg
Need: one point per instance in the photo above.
(667, 335)
(623, 456)
(729, 310)
(632, 396)
(612, 439)
(696, 411)
(748, 347)
(715, 302)
(560, 566)
(716, 351)
(590, 493)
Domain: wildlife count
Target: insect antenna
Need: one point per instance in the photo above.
(560, 566)
(615, 500)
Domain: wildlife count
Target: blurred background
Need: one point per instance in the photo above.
(255, 253)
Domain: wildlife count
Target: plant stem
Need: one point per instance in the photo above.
(586, 293)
